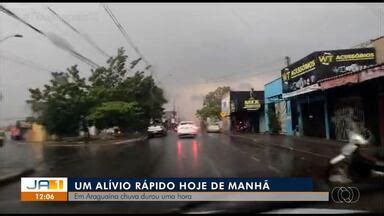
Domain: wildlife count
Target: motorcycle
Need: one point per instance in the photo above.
(241, 127)
(358, 160)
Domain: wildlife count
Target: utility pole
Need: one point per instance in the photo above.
(173, 116)
(287, 60)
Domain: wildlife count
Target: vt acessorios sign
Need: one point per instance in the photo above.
(324, 64)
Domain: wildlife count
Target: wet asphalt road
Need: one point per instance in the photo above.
(208, 155)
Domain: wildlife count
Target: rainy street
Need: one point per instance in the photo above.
(208, 155)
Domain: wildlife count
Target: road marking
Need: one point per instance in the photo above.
(274, 169)
(205, 212)
(125, 141)
(64, 145)
(255, 158)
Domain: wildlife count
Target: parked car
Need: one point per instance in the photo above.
(156, 130)
(187, 128)
(213, 128)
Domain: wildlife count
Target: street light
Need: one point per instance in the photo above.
(11, 36)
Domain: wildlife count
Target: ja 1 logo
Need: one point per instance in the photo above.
(345, 194)
(44, 189)
(43, 184)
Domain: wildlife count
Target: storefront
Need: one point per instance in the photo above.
(310, 118)
(243, 108)
(356, 97)
(316, 112)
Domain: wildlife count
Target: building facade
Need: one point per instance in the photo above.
(281, 107)
(356, 99)
(327, 93)
(243, 107)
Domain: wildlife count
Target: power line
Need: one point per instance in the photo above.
(52, 39)
(63, 20)
(126, 36)
(86, 37)
(10, 13)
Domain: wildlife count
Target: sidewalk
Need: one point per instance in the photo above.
(96, 142)
(16, 160)
(74, 141)
(315, 146)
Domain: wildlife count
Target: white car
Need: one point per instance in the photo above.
(187, 128)
(213, 128)
(156, 130)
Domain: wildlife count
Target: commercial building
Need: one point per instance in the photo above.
(356, 97)
(328, 92)
(274, 102)
(245, 107)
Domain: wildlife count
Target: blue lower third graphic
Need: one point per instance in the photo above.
(193, 189)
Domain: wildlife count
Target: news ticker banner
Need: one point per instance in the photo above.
(169, 189)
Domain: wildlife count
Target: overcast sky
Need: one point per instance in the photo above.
(193, 47)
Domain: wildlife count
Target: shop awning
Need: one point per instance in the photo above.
(352, 77)
(371, 73)
(304, 90)
(340, 81)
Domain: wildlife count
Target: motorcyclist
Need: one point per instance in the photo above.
(358, 136)
(241, 127)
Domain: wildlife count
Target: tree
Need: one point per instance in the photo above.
(111, 97)
(62, 104)
(111, 83)
(115, 113)
(212, 103)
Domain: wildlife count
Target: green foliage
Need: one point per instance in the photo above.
(65, 104)
(212, 104)
(274, 123)
(115, 113)
(209, 111)
(61, 105)
(111, 83)
(214, 98)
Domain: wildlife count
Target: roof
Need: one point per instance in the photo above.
(373, 40)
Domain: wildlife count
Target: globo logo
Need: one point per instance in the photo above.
(345, 194)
